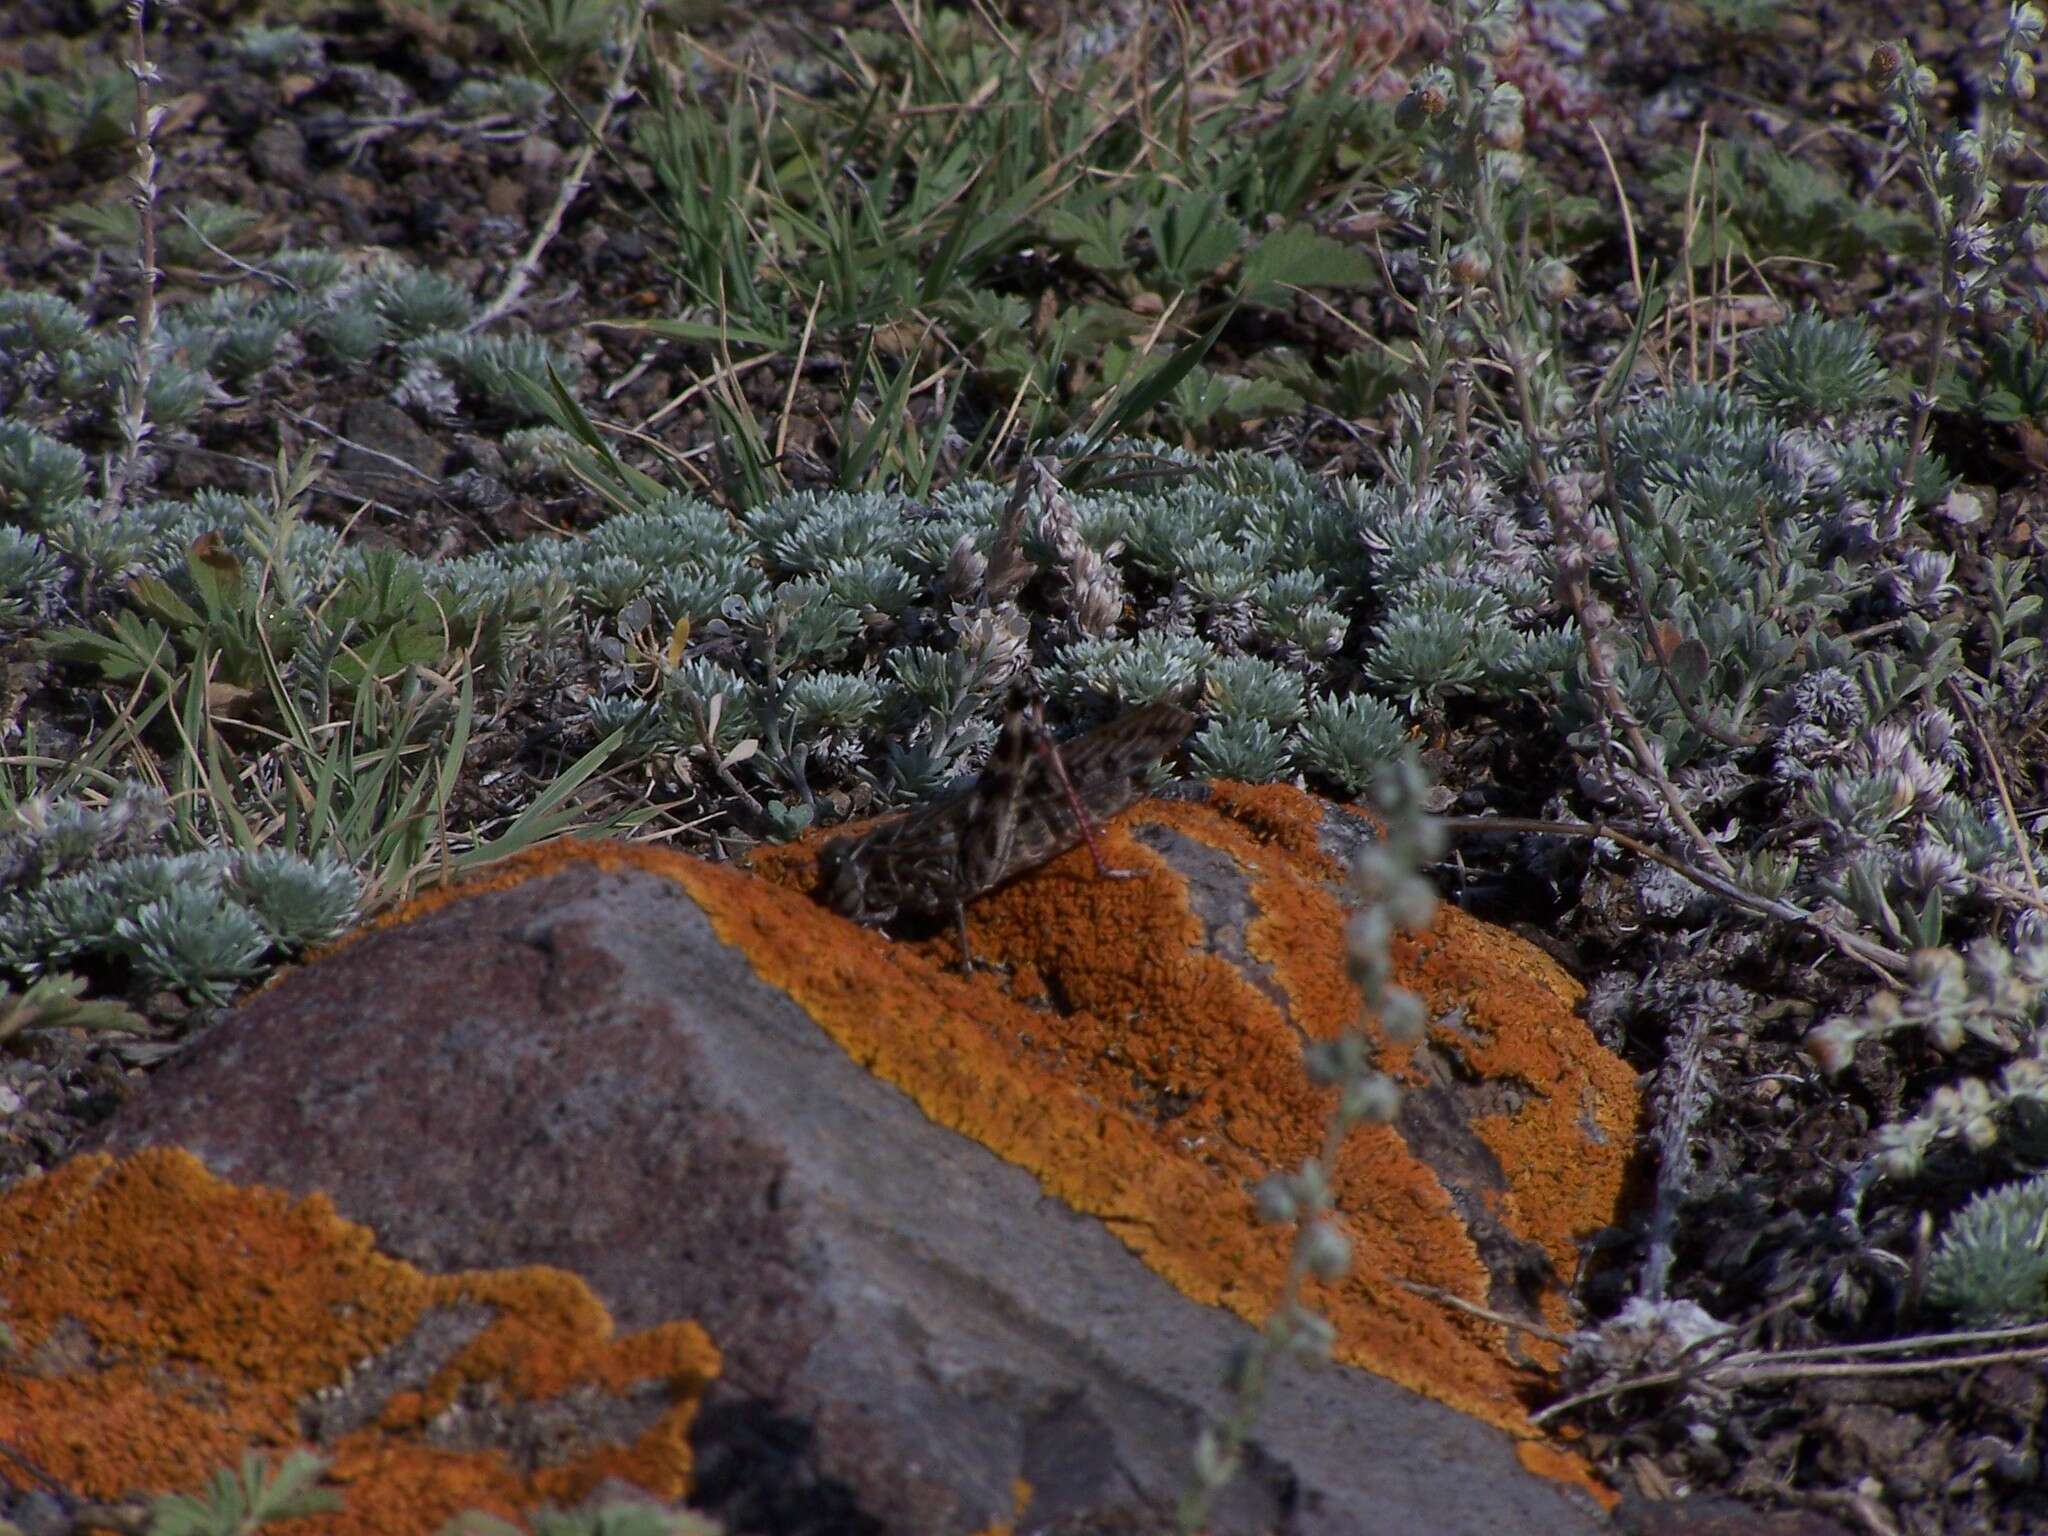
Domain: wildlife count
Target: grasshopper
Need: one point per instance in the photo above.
(1036, 799)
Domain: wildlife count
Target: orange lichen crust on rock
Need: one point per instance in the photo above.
(1167, 1080)
(165, 1322)
(1148, 1070)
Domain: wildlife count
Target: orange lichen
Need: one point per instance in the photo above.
(1547, 1460)
(1169, 1079)
(166, 1321)
(1276, 814)
(1564, 1149)
(1145, 1078)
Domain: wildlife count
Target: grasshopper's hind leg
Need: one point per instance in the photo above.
(1049, 750)
(966, 951)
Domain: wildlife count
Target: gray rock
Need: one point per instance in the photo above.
(575, 1072)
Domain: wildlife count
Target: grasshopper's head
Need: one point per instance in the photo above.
(843, 878)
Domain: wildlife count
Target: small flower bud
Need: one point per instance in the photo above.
(1325, 1251)
(1369, 932)
(1470, 264)
(1886, 59)
(1372, 1100)
(1832, 1046)
(1312, 1186)
(1493, 31)
(1320, 1063)
(1429, 839)
(1275, 1200)
(1412, 903)
(1501, 120)
(1422, 104)
(1554, 282)
(1403, 1017)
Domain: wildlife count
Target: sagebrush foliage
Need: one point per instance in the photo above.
(87, 886)
(1991, 1266)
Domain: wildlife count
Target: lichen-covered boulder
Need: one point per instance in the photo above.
(965, 1251)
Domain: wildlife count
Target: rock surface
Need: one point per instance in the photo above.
(165, 1322)
(953, 1246)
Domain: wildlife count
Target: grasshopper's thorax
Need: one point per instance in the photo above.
(1033, 801)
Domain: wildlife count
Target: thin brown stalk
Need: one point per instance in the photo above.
(796, 373)
(1887, 962)
(1752, 1368)
(572, 183)
(134, 416)
(1995, 762)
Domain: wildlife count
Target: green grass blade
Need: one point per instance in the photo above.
(548, 816)
(1140, 395)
